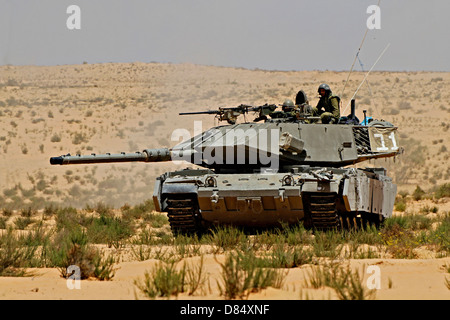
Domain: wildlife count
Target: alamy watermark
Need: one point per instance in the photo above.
(73, 22)
(74, 280)
(374, 20)
(245, 145)
(374, 280)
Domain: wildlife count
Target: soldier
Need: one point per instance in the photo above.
(288, 111)
(288, 106)
(301, 101)
(328, 105)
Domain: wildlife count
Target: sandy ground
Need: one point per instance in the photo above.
(418, 279)
(49, 111)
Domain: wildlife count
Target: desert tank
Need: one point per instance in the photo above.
(280, 168)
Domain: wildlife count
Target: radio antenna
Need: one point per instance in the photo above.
(354, 60)
(366, 76)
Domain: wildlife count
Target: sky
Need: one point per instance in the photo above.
(265, 34)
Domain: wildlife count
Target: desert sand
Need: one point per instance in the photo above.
(55, 110)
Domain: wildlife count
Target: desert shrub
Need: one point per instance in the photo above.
(137, 211)
(23, 222)
(70, 248)
(400, 242)
(438, 237)
(403, 194)
(327, 244)
(401, 221)
(428, 209)
(442, 191)
(142, 253)
(79, 138)
(226, 237)
(290, 257)
(418, 193)
(156, 220)
(347, 284)
(294, 234)
(101, 208)
(196, 278)
(10, 192)
(404, 105)
(50, 210)
(3, 221)
(14, 256)
(27, 212)
(78, 255)
(89, 261)
(164, 280)
(418, 222)
(55, 138)
(186, 246)
(241, 275)
(400, 206)
(104, 267)
(67, 218)
(7, 212)
(109, 230)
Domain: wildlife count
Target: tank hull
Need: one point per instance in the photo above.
(323, 198)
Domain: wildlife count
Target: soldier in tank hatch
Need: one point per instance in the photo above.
(328, 106)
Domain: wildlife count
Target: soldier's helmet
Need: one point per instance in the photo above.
(301, 98)
(288, 105)
(325, 87)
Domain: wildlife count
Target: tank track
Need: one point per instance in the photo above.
(183, 214)
(321, 213)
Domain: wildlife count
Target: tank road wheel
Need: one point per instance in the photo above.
(184, 215)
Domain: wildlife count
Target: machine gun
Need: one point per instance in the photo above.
(231, 114)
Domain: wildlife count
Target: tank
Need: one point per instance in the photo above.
(283, 167)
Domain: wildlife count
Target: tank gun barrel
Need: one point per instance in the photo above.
(148, 155)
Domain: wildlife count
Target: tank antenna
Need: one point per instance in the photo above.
(356, 57)
(366, 77)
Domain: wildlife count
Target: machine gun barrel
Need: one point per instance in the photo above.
(148, 155)
(200, 112)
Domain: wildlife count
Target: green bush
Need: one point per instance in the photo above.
(164, 280)
(70, 247)
(400, 206)
(418, 193)
(3, 222)
(109, 230)
(23, 222)
(138, 211)
(225, 237)
(241, 275)
(14, 256)
(347, 284)
(443, 191)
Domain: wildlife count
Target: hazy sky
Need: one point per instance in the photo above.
(265, 34)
